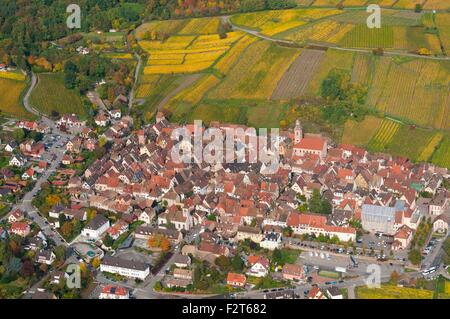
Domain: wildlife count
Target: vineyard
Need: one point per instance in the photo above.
(201, 26)
(430, 148)
(294, 82)
(443, 23)
(192, 95)
(186, 54)
(363, 37)
(165, 26)
(50, 94)
(18, 76)
(383, 136)
(407, 4)
(409, 142)
(275, 22)
(437, 4)
(360, 133)
(333, 59)
(231, 57)
(257, 72)
(362, 68)
(421, 95)
(442, 155)
(355, 3)
(10, 104)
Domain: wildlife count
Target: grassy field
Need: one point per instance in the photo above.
(392, 292)
(257, 72)
(10, 93)
(50, 94)
(360, 133)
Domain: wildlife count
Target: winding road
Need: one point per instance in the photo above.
(226, 19)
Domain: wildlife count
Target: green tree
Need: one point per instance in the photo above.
(237, 264)
(414, 256)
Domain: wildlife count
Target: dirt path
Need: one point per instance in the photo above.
(187, 81)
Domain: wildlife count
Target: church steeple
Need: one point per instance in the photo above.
(298, 132)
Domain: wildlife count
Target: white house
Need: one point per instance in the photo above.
(259, 266)
(440, 224)
(271, 241)
(45, 257)
(17, 161)
(123, 267)
(96, 227)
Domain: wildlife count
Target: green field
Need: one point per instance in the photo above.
(50, 94)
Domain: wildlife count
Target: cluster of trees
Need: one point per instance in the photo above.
(159, 241)
(17, 266)
(227, 264)
(418, 241)
(318, 204)
(26, 26)
(83, 73)
(188, 8)
(345, 98)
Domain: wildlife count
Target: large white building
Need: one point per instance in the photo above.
(123, 267)
(317, 225)
(96, 227)
(376, 218)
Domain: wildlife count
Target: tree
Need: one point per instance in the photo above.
(237, 264)
(418, 8)
(394, 277)
(27, 268)
(18, 134)
(223, 263)
(414, 256)
(315, 202)
(96, 262)
(66, 229)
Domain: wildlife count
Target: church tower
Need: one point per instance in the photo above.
(298, 132)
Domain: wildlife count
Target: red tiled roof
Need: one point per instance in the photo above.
(311, 143)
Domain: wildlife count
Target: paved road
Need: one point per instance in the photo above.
(136, 75)
(25, 203)
(288, 42)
